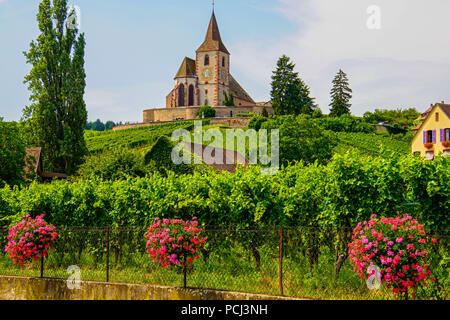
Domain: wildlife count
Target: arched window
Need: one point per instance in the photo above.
(206, 60)
(191, 95)
(181, 96)
(223, 62)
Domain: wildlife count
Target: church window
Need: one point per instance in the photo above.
(206, 60)
(191, 96)
(181, 96)
(223, 61)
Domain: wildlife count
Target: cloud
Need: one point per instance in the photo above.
(405, 63)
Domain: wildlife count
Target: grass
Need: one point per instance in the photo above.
(232, 272)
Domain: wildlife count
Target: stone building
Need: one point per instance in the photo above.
(205, 80)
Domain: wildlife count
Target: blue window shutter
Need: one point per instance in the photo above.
(424, 137)
(442, 135)
(434, 136)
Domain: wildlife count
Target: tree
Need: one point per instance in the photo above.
(12, 154)
(98, 125)
(405, 117)
(206, 112)
(57, 115)
(340, 95)
(302, 139)
(229, 100)
(290, 95)
(264, 113)
(109, 125)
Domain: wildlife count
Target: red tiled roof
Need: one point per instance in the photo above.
(187, 68)
(213, 41)
(238, 91)
(444, 107)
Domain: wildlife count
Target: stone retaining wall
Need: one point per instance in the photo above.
(25, 288)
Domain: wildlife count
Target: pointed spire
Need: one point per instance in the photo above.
(213, 41)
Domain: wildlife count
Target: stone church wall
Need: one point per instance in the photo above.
(189, 113)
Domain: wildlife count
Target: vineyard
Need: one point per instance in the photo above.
(98, 142)
(370, 143)
(325, 202)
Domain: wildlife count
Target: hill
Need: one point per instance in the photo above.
(140, 137)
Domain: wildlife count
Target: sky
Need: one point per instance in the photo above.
(134, 49)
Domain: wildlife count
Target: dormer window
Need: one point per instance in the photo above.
(206, 60)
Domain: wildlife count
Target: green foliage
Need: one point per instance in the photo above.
(131, 138)
(345, 191)
(115, 164)
(302, 139)
(206, 112)
(12, 154)
(100, 126)
(57, 115)
(290, 95)
(340, 95)
(399, 117)
(160, 157)
(229, 100)
(245, 115)
(345, 123)
(264, 113)
(372, 144)
(256, 122)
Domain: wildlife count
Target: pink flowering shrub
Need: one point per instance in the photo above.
(174, 242)
(30, 240)
(398, 246)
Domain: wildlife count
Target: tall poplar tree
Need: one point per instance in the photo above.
(57, 114)
(290, 95)
(340, 95)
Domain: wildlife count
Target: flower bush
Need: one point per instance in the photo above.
(398, 246)
(30, 240)
(174, 242)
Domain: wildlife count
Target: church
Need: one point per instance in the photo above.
(205, 81)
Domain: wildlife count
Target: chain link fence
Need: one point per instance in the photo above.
(298, 262)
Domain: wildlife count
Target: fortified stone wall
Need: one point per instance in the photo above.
(189, 113)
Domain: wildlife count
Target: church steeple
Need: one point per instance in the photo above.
(213, 41)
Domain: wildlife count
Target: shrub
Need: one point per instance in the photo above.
(114, 164)
(345, 123)
(206, 112)
(398, 246)
(159, 158)
(174, 242)
(30, 240)
(256, 122)
(302, 139)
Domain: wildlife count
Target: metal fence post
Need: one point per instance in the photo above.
(42, 266)
(107, 254)
(281, 261)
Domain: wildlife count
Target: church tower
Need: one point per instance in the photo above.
(213, 67)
